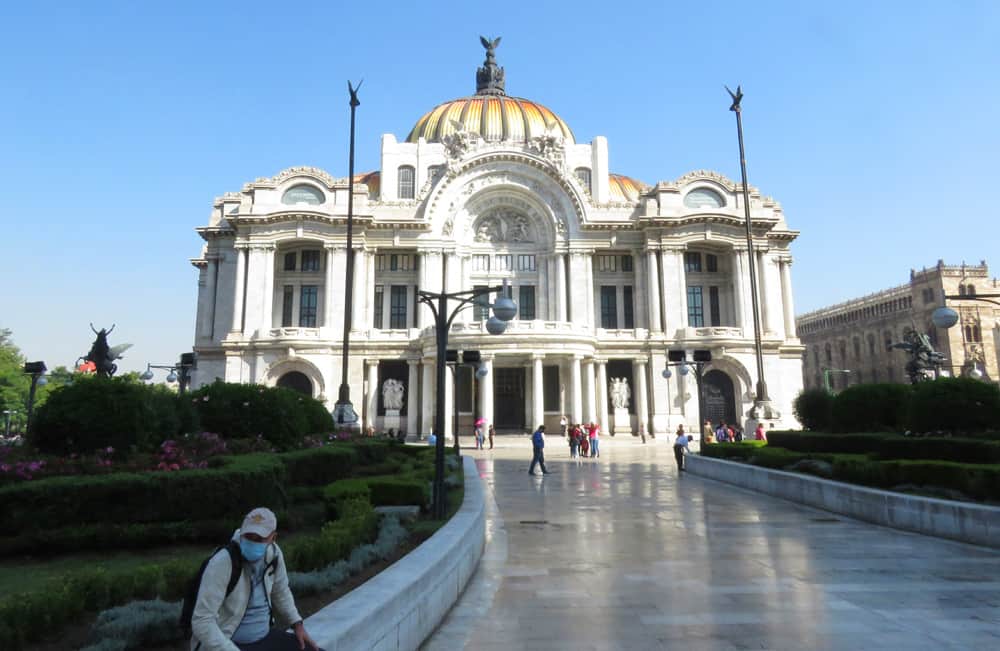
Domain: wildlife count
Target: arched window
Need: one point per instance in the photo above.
(871, 344)
(306, 194)
(829, 354)
(704, 198)
(961, 290)
(976, 334)
(407, 182)
(583, 175)
(971, 291)
(968, 333)
(857, 348)
(296, 381)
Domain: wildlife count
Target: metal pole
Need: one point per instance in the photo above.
(441, 325)
(761, 384)
(344, 409)
(701, 401)
(454, 402)
(31, 401)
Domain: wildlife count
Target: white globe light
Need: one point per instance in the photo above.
(172, 377)
(944, 317)
(495, 326)
(684, 370)
(504, 308)
(482, 372)
(976, 374)
(42, 381)
(667, 374)
(147, 376)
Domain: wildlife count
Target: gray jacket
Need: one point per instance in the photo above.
(216, 616)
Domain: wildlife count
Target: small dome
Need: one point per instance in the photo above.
(496, 118)
(624, 188)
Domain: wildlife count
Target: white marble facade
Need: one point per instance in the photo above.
(607, 273)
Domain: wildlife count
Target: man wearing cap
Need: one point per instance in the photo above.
(242, 621)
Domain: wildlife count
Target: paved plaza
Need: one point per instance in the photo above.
(622, 553)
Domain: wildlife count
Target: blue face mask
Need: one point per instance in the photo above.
(252, 551)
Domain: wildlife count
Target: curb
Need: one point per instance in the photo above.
(402, 605)
(969, 523)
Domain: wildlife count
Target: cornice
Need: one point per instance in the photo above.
(313, 172)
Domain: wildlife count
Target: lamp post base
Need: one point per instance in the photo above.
(763, 410)
(344, 416)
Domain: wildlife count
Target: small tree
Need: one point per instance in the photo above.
(813, 408)
(871, 408)
(957, 404)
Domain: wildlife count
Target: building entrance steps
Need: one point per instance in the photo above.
(623, 553)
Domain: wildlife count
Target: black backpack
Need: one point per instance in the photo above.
(191, 594)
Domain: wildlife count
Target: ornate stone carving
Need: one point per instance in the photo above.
(550, 146)
(504, 225)
(459, 142)
(392, 394)
(490, 77)
(449, 226)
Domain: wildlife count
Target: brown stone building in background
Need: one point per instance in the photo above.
(856, 335)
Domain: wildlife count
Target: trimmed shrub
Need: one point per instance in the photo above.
(96, 413)
(871, 408)
(246, 411)
(399, 491)
(114, 536)
(957, 404)
(318, 466)
(814, 409)
(891, 446)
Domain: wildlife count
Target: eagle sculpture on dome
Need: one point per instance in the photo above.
(491, 47)
(490, 77)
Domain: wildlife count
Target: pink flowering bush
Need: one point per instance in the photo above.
(190, 451)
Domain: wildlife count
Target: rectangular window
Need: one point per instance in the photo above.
(525, 263)
(711, 262)
(504, 263)
(713, 306)
(435, 171)
(380, 262)
(416, 306)
(526, 303)
(310, 261)
(290, 261)
(307, 306)
(480, 262)
(609, 307)
(287, 302)
(397, 307)
(628, 305)
(607, 263)
(379, 310)
(692, 262)
(393, 262)
(627, 263)
(550, 388)
(696, 310)
(463, 389)
(481, 311)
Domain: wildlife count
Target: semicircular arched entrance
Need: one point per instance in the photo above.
(296, 381)
(720, 397)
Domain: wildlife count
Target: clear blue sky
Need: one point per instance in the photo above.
(873, 123)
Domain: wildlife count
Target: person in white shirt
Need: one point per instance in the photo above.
(680, 447)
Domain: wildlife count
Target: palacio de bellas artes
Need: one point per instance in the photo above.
(609, 275)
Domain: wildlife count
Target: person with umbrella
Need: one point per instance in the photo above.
(479, 433)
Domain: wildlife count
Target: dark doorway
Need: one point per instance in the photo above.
(296, 382)
(508, 398)
(720, 400)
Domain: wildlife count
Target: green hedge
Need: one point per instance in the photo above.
(957, 404)
(115, 536)
(814, 409)
(892, 446)
(95, 413)
(871, 408)
(226, 492)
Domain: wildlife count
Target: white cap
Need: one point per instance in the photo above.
(260, 521)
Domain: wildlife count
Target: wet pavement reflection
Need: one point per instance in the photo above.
(622, 552)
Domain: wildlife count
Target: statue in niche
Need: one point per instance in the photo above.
(620, 393)
(392, 394)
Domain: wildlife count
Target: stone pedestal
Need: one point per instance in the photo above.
(391, 420)
(622, 422)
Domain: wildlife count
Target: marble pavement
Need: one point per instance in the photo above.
(621, 552)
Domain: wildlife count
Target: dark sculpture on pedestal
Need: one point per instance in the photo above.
(925, 362)
(100, 359)
(489, 78)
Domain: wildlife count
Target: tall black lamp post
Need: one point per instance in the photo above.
(179, 372)
(343, 412)
(37, 372)
(504, 309)
(762, 403)
(702, 358)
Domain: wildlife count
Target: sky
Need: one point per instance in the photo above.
(872, 123)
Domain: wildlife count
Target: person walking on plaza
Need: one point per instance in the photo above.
(680, 447)
(564, 425)
(584, 443)
(538, 447)
(574, 441)
(592, 433)
(238, 616)
(707, 433)
(759, 434)
(492, 432)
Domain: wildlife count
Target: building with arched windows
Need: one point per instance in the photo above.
(609, 274)
(858, 335)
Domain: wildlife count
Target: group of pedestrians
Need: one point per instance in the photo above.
(730, 433)
(583, 438)
(481, 438)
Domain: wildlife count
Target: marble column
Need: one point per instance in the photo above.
(486, 392)
(239, 285)
(562, 313)
(602, 396)
(641, 398)
(413, 370)
(371, 392)
(427, 390)
(786, 298)
(359, 320)
(653, 292)
(588, 265)
(590, 391)
(537, 392)
(336, 269)
(675, 291)
(763, 292)
(740, 287)
(267, 307)
(207, 326)
(640, 306)
(577, 415)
